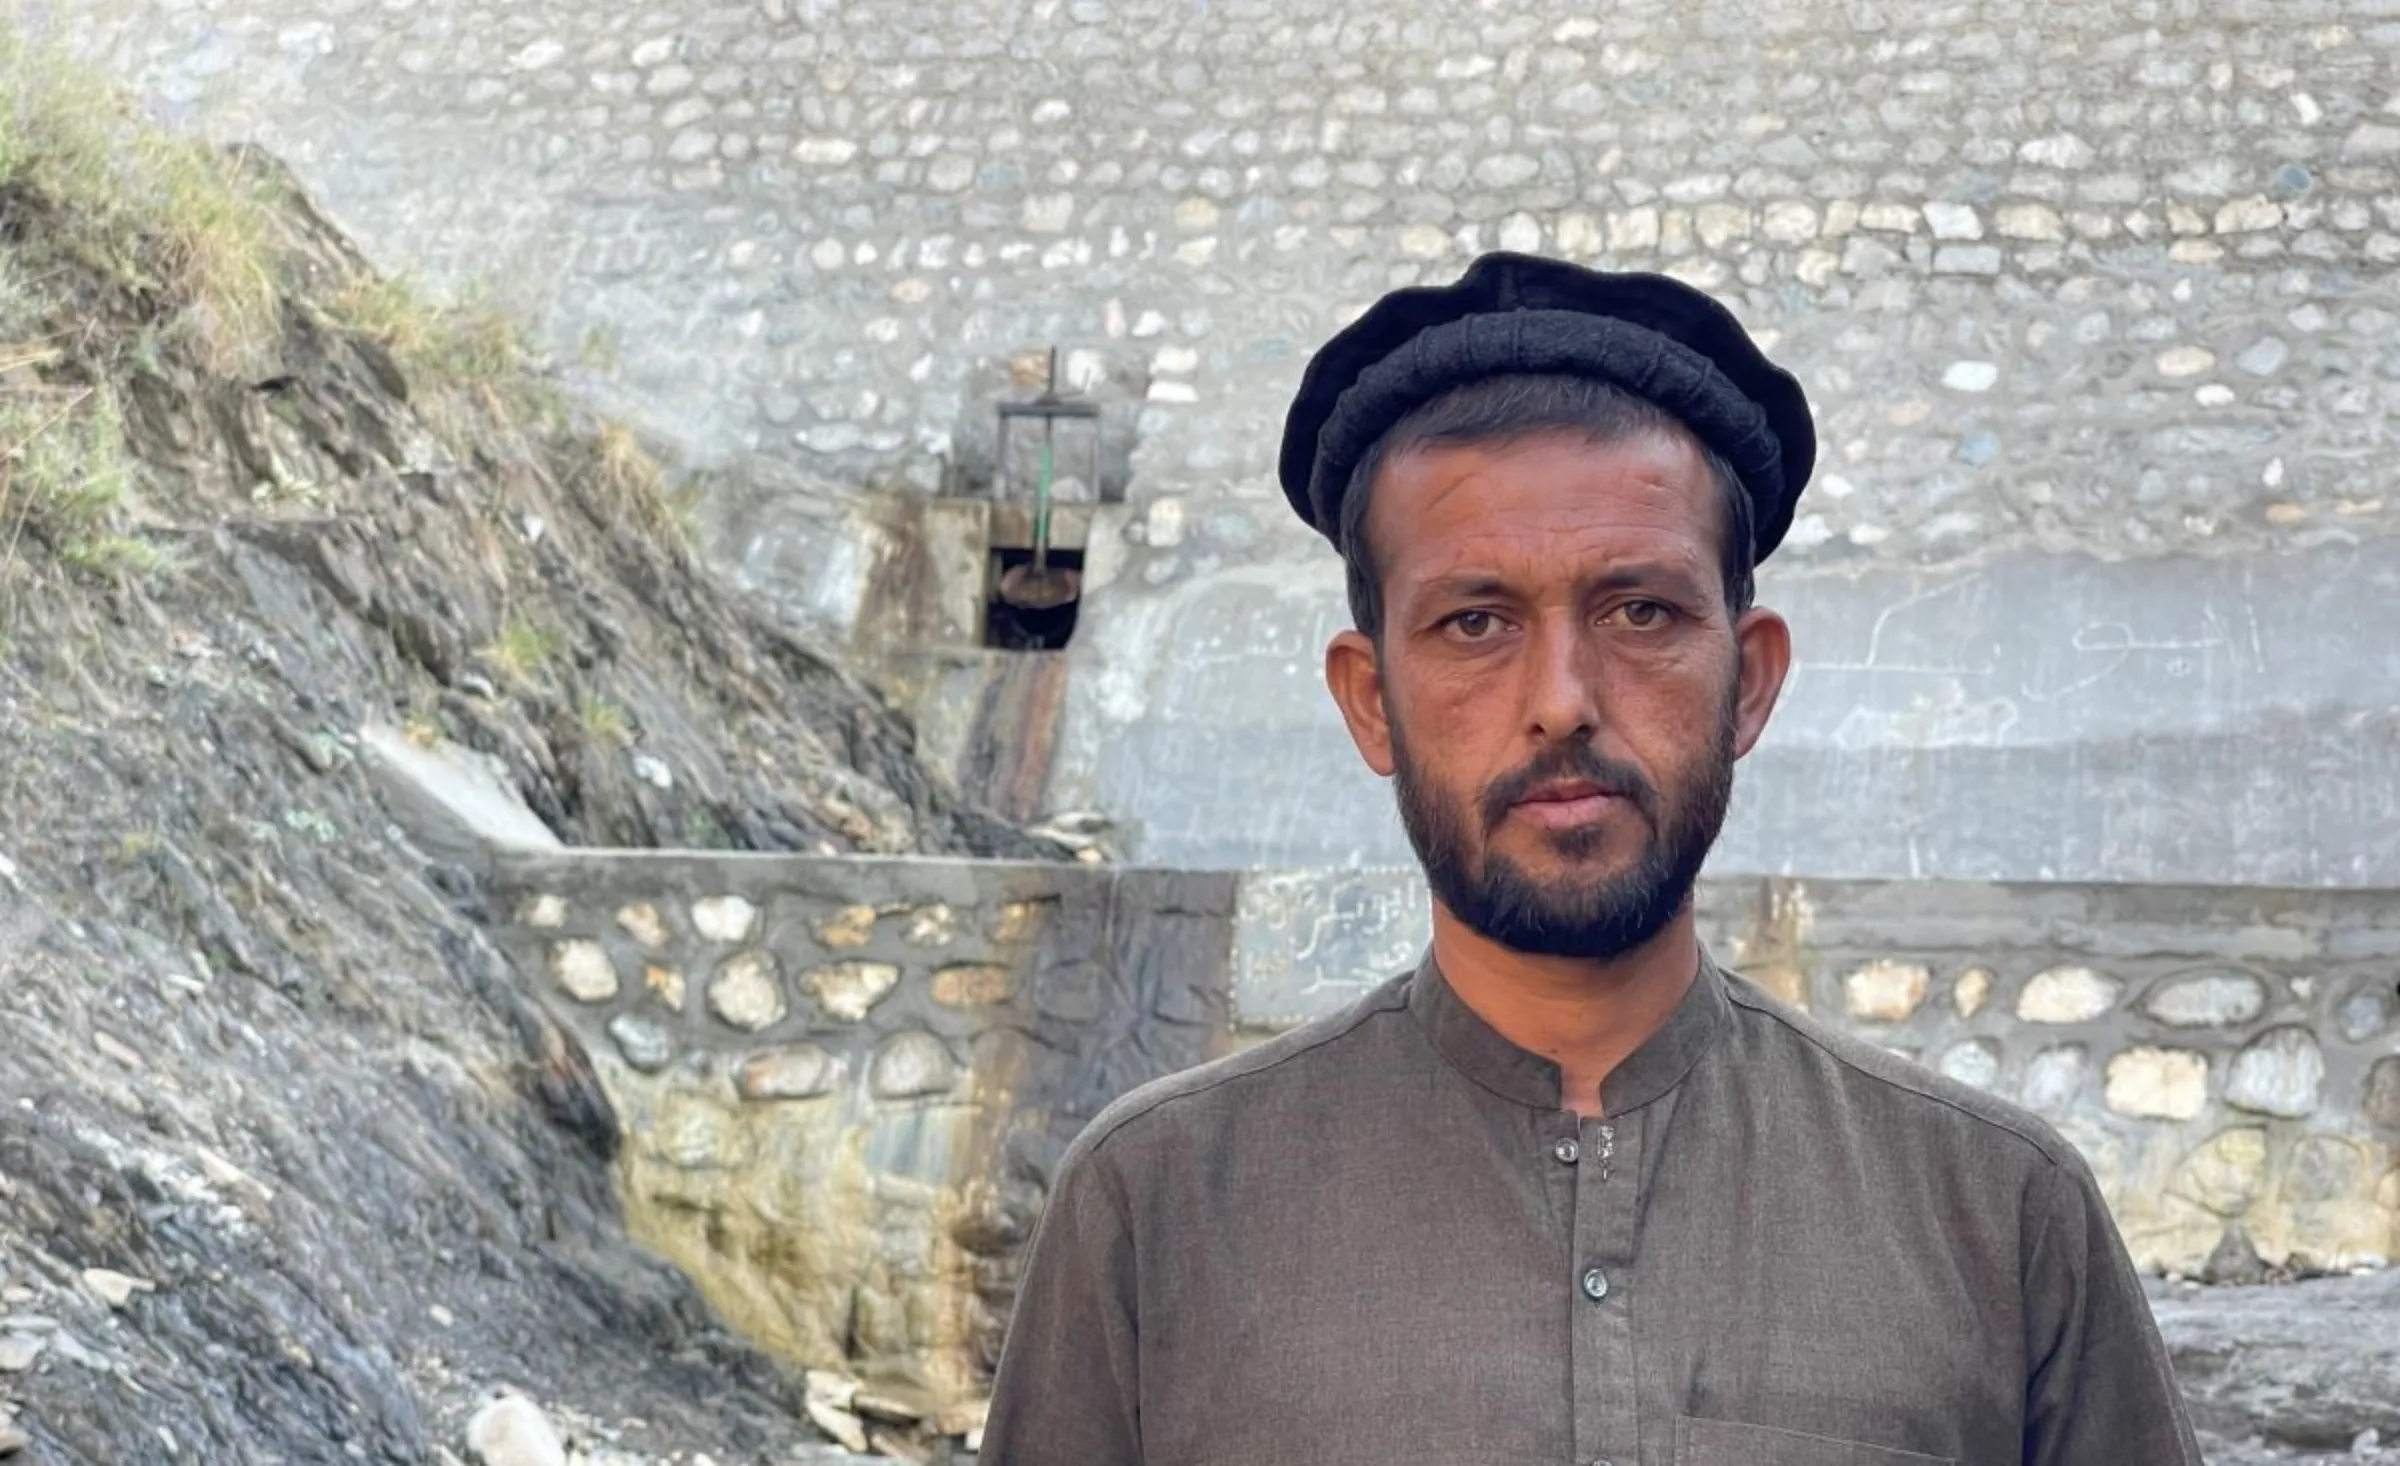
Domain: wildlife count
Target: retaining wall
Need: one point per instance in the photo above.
(844, 1083)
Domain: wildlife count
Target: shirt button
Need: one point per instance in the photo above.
(1566, 1151)
(1595, 1284)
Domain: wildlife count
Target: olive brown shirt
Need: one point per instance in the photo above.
(1381, 1239)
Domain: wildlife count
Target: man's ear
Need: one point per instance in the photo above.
(1354, 675)
(1766, 646)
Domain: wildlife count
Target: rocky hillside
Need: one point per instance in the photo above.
(289, 1171)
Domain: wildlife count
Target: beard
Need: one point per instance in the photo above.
(1570, 914)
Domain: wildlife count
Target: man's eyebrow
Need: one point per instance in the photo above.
(1629, 575)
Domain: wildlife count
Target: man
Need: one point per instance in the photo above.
(1569, 1192)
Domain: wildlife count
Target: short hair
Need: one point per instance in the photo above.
(1508, 408)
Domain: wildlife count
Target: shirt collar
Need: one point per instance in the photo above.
(1477, 1050)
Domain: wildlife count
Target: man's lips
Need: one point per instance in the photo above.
(1566, 804)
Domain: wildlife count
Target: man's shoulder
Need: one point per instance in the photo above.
(1912, 1095)
(1295, 1057)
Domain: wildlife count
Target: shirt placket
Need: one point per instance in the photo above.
(1606, 1155)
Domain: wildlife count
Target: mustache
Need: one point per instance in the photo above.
(1567, 761)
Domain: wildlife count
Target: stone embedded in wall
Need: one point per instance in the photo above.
(2147, 1083)
(1885, 991)
(1018, 921)
(2325, 1171)
(848, 990)
(800, 1071)
(544, 913)
(582, 970)
(1972, 991)
(642, 922)
(2217, 1000)
(644, 1044)
(2068, 995)
(2366, 1012)
(911, 1064)
(972, 985)
(745, 993)
(852, 926)
(726, 919)
(667, 983)
(2227, 1172)
(2382, 1101)
(2281, 1072)
(2054, 1078)
(934, 925)
(1974, 1061)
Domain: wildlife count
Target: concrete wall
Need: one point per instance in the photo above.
(2096, 302)
(843, 1084)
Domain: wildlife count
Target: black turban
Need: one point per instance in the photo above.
(1655, 338)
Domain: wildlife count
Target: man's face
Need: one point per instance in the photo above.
(1561, 691)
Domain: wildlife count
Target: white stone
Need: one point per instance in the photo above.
(1885, 991)
(114, 1288)
(950, 173)
(2029, 221)
(1174, 360)
(1975, 1062)
(581, 968)
(2215, 394)
(2064, 150)
(1578, 236)
(848, 990)
(723, 918)
(1171, 391)
(641, 921)
(910, 1064)
(1048, 213)
(802, 1071)
(2158, 1084)
(1163, 526)
(1789, 221)
(1634, 230)
(932, 925)
(838, 1423)
(536, 56)
(1424, 242)
(2249, 216)
(2068, 995)
(2054, 1079)
(2372, 140)
(2264, 357)
(744, 992)
(1971, 376)
(513, 1431)
(1971, 992)
(1720, 224)
(827, 254)
(644, 1044)
(1522, 233)
(546, 913)
(1967, 259)
(1953, 221)
(2185, 361)
(1887, 217)
(2217, 1000)
(1197, 213)
(2281, 1073)
(19, 1351)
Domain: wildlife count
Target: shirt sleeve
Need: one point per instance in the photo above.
(1068, 1389)
(2100, 1389)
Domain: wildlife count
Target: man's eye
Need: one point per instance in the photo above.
(1643, 615)
(1474, 625)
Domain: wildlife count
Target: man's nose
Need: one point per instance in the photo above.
(1562, 692)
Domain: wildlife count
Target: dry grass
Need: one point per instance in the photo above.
(171, 219)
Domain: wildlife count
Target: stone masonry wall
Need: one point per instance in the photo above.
(2077, 276)
(2096, 304)
(2220, 1056)
(843, 1084)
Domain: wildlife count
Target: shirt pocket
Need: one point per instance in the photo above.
(1728, 1443)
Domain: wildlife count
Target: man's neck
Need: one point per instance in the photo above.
(1585, 1015)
